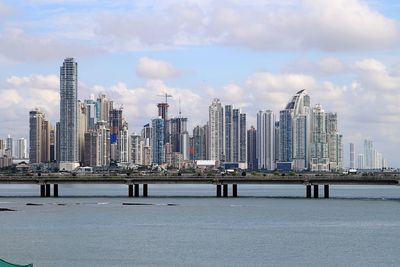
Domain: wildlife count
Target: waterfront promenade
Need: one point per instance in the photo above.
(311, 182)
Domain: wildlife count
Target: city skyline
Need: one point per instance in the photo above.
(351, 78)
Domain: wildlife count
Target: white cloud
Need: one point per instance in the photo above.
(18, 45)
(374, 74)
(263, 25)
(155, 69)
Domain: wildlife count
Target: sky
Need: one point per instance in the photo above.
(254, 55)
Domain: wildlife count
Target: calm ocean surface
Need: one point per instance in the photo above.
(265, 226)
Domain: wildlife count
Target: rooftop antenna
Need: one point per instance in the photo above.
(180, 111)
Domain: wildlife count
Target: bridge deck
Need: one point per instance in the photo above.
(268, 179)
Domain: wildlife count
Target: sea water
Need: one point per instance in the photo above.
(187, 226)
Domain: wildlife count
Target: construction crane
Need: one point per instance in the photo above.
(166, 97)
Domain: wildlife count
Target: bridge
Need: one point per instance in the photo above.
(311, 182)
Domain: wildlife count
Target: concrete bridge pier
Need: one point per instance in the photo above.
(316, 191)
(234, 190)
(55, 190)
(219, 190)
(48, 190)
(136, 190)
(326, 190)
(225, 190)
(145, 190)
(308, 191)
(42, 190)
(130, 190)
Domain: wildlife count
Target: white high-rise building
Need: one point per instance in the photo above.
(235, 141)
(137, 145)
(216, 131)
(352, 156)
(69, 142)
(360, 162)
(335, 145)
(21, 149)
(319, 140)
(300, 132)
(265, 140)
(123, 143)
(368, 154)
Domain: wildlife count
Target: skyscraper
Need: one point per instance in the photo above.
(228, 133)
(158, 140)
(252, 149)
(177, 126)
(242, 138)
(123, 143)
(103, 107)
(352, 156)
(69, 149)
(368, 154)
(115, 122)
(319, 141)
(199, 143)
(216, 131)
(266, 140)
(234, 135)
(360, 162)
(36, 118)
(82, 129)
(301, 131)
(20, 149)
(137, 143)
(294, 130)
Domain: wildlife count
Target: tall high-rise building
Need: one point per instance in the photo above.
(36, 118)
(103, 108)
(242, 138)
(58, 142)
(177, 126)
(82, 129)
(91, 148)
(69, 143)
(277, 136)
(360, 162)
(163, 111)
(252, 162)
(228, 133)
(158, 140)
(352, 156)
(119, 136)
(91, 113)
(147, 135)
(301, 131)
(335, 146)
(266, 140)
(103, 133)
(21, 149)
(319, 140)
(97, 145)
(137, 143)
(184, 147)
(216, 131)
(47, 128)
(123, 143)
(368, 154)
(9, 146)
(199, 143)
(2, 148)
(234, 135)
(294, 130)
